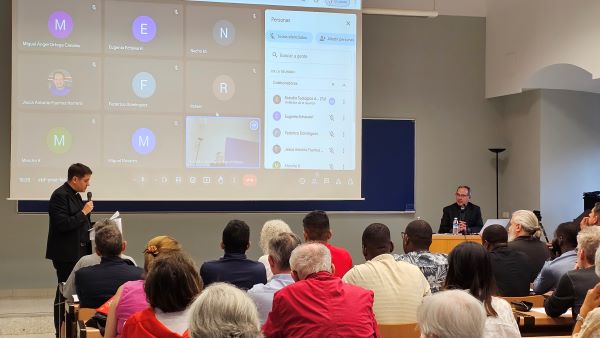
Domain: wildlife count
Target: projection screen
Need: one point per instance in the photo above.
(188, 100)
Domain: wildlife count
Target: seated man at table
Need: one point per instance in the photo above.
(399, 287)
(97, 283)
(467, 213)
(319, 304)
(565, 242)
(524, 233)
(513, 275)
(234, 267)
(574, 285)
(416, 241)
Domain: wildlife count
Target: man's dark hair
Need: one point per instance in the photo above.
(568, 231)
(236, 236)
(376, 238)
(172, 282)
(316, 225)
(281, 247)
(495, 234)
(419, 233)
(78, 170)
(109, 241)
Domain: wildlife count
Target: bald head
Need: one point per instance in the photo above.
(376, 240)
(418, 236)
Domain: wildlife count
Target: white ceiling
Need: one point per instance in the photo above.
(443, 7)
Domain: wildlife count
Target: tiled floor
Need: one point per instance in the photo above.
(26, 316)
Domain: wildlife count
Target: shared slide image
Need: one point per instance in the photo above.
(222, 142)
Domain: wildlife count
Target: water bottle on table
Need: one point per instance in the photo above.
(455, 226)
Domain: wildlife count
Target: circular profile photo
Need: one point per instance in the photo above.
(276, 132)
(276, 165)
(60, 82)
(277, 99)
(276, 149)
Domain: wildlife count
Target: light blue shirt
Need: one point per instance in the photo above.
(262, 294)
(551, 272)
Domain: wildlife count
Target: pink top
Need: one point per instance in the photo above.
(133, 299)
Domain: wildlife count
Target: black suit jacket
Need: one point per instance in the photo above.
(512, 274)
(471, 215)
(97, 283)
(68, 237)
(570, 292)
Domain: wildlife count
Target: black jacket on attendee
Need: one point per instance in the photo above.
(68, 236)
(234, 268)
(471, 215)
(512, 272)
(571, 291)
(536, 251)
(97, 283)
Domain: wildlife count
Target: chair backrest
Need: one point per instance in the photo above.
(408, 330)
(85, 313)
(537, 300)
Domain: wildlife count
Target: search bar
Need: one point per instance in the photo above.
(311, 56)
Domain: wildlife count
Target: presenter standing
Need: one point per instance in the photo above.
(68, 236)
(467, 214)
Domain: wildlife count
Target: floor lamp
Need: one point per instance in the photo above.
(497, 151)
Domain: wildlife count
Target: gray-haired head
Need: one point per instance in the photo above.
(309, 258)
(528, 221)
(108, 240)
(451, 314)
(223, 311)
(280, 249)
(588, 240)
(269, 230)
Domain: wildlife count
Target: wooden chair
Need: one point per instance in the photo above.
(408, 330)
(87, 332)
(537, 300)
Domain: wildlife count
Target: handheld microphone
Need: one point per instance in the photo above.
(89, 196)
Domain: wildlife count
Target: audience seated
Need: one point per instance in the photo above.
(130, 297)
(223, 311)
(451, 314)
(588, 321)
(171, 285)
(316, 229)
(469, 268)
(593, 218)
(513, 275)
(234, 267)
(320, 304)
(97, 283)
(573, 285)
(565, 242)
(524, 233)
(280, 249)
(399, 287)
(270, 230)
(416, 241)
(89, 260)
